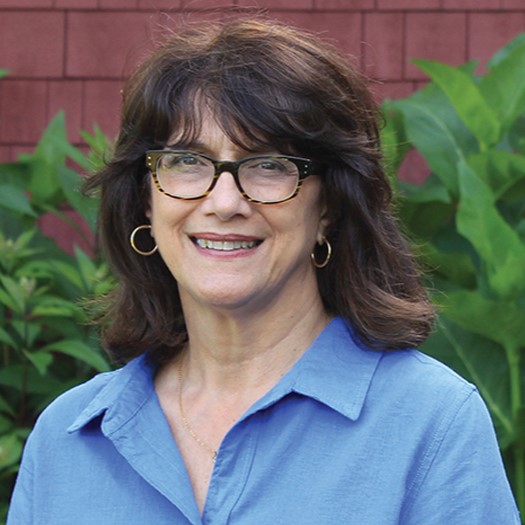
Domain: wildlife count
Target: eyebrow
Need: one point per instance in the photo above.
(201, 147)
(193, 146)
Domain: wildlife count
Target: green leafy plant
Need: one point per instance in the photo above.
(46, 342)
(468, 218)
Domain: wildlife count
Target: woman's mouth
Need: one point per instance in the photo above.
(225, 246)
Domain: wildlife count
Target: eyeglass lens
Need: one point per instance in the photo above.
(263, 178)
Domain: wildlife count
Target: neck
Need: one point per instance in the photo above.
(240, 350)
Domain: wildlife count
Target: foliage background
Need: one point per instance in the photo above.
(468, 219)
(47, 345)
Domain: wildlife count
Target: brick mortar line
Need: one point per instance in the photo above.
(83, 113)
(66, 46)
(404, 46)
(239, 9)
(69, 78)
(468, 28)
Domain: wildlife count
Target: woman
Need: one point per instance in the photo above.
(266, 310)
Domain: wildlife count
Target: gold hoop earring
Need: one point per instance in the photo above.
(327, 258)
(132, 240)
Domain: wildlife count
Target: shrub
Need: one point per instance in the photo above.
(469, 220)
(47, 345)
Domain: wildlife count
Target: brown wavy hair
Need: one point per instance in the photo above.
(270, 86)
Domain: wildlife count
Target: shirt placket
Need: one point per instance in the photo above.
(231, 472)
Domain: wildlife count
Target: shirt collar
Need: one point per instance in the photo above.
(121, 397)
(336, 370)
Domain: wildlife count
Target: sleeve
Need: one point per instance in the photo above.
(462, 479)
(21, 507)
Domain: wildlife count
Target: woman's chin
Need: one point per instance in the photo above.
(228, 298)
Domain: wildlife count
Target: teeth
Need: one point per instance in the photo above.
(225, 245)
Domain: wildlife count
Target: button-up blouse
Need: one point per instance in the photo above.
(349, 436)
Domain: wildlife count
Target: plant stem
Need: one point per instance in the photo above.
(25, 373)
(513, 357)
(520, 477)
(23, 393)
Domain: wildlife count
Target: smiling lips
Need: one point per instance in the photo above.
(227, 245)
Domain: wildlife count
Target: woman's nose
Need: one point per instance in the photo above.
(225, 200)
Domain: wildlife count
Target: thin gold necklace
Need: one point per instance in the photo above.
(187, 425)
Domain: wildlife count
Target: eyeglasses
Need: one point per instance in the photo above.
(265, 179)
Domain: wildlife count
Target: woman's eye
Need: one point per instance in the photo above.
(270, 165)
(168, 161)
(181, 162)
(189, 160)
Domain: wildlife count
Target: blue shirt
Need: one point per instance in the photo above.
(348, 436)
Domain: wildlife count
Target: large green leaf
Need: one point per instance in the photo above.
(15, 174)
(69, 271)
(516, 135)
(15, 199)
(467, 100)
(72, 183)
(457, 267)
(5, 407)
(520, 425)
(500, 321)
(500, 170)
(48, 156)
(499, 56)
(393, 142)
(424, 219)
(424, 207)
(47, 166)
(520, 229)
(36, 268)
(54, 306)
(66, 384)
(27, 331)
(16, 250)
(504, 86)
(40, 360)
(498, 245)
(10, 450)
(434, 140)
(15, 292)
(88, 269)
(6, 424)
(436, 101)
(432, 190)
(6, 338)
(12, 376)
(79, 350)
(99, 147)
(481, 360)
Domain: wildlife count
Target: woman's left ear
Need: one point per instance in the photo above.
(147, 207)
(324, 226)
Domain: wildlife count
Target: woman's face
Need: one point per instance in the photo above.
(227, 252)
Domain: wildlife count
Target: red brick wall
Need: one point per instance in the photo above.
(73, 54)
